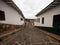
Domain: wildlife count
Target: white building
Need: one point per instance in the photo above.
(50, 16)
(10, 13)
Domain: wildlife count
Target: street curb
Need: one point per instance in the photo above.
(16, 30)
(56, 37)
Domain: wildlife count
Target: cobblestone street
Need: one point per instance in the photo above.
(30, 36)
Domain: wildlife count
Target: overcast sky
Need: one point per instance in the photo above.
(31, 7)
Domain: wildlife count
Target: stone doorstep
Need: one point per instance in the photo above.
(56, 37)
(3, 35)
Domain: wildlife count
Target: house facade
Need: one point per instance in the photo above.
(11, 17)
(10, 14)
(50, 16)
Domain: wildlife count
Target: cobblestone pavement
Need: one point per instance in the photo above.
(30, 36)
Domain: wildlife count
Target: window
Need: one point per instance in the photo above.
(21, 19)
(42, 20)
(2, 15)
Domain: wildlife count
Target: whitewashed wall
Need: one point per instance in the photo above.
(48, 17)
(11, 15)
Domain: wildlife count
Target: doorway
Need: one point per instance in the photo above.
(56, 21)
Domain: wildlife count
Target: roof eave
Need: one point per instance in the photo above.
(50, 6)
(13, 5)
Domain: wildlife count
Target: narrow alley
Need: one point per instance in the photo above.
(29, 22)
(30, 36)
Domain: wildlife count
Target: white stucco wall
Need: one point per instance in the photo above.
(48, 17)
(11, 15)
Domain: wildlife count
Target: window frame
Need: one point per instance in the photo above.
(2, 15)
(42, 20)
